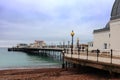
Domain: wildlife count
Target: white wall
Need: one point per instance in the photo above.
(100, 38)
(90, 46)
(115, 34)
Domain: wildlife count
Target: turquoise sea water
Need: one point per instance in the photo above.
(21, 60)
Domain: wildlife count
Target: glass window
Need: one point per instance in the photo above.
(105, 45)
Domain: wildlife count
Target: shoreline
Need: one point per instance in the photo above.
(54, 74)
(30, 67)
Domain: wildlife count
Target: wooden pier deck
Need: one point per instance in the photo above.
(36, 49)
(104, 63)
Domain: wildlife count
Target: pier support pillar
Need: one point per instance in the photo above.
(63, 65)
(74, 65)
(66, 65)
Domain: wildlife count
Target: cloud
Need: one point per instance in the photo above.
(52, 20)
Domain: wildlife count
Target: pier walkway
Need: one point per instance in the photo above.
(94, 58)
(36, 49)
(105, 62)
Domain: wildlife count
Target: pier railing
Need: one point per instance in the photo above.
(106, 56)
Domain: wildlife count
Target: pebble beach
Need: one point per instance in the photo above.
(55, 74)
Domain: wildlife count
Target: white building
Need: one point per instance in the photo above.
(38, 44)
(108, 38)
(102, 38)
(90, 46)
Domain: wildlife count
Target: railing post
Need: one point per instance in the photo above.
(111, 55)
(98, 51)
(87, 53)
(68, 47)
(66, 65)
(78, 52)
(67, 50)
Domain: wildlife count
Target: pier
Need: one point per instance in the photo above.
(107, 62)
(104, 62)
(45, 52)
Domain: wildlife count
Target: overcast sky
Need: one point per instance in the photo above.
(51, 20)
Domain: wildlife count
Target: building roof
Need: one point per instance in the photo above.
(115, 14)
(107, 28)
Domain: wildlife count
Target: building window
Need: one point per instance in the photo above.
(91, 44)
(105, 45)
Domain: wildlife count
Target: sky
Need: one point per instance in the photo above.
(23, 21)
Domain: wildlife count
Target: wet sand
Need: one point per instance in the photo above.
(56, 74)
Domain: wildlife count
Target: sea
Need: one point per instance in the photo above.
(21, 60)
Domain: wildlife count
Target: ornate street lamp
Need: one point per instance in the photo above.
(72, 35)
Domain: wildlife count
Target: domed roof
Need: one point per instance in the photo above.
(115, 14)
(106, 28)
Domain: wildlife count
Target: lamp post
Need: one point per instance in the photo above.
(72, 35)
(78, 47)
